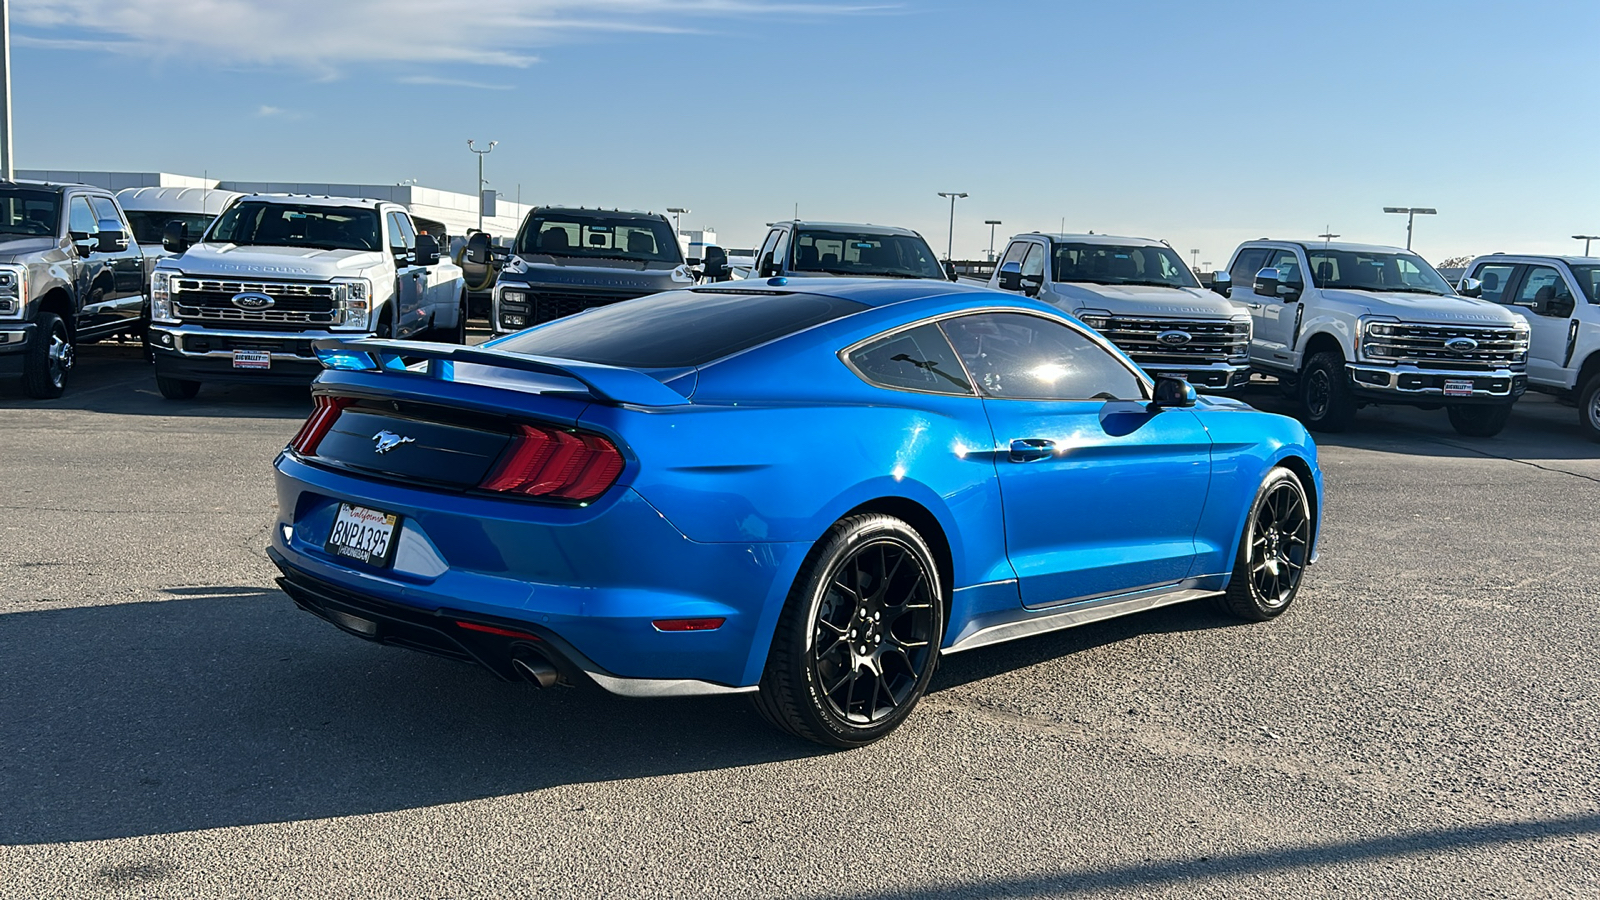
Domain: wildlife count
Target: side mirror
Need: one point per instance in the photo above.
(950, 271)
(768, 268)
(478, 249)
(1031, 284)
(1011, 276)
(112, 238)
(1471, 287)
(427, 252)
(715, 265)
(84, 241)
(1222, 283)
(1266, 283)
(175, 237)
(1174, 393)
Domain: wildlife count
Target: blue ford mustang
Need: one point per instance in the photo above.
(809, 492)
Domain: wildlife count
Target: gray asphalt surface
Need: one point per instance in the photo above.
(1422, 724)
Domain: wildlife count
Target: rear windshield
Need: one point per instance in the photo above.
(865, 254)
(593, 236)
(677, 328)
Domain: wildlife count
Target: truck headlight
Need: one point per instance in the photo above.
(1375, 338)
(162, 309)
(355, 305)
(1097, 319)
(13, 291)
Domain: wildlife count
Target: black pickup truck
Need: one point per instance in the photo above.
(70, 273)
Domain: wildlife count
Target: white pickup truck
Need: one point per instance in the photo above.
(1559, 297)
(1345, 325)
(1139, 294)
(276, 272)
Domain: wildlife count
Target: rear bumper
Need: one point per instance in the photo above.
(588, 581)
(1410, 384)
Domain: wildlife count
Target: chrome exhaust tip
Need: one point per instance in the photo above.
(538, 671)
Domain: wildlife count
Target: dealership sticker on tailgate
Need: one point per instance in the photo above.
(364, 534)
(252, 359)
(1458, 387)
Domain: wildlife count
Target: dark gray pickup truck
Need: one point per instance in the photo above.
(70, 273)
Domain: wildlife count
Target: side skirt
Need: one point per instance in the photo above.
(1024, 622)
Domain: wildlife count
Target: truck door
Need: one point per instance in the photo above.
(1274, 317)
(410, 313)
(1546, 300)
(95, 281)
(127, 263)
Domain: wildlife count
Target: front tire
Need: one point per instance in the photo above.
(1326, 402)
(177, 388)
(1589, 407)
(1274, 550)
(1479, 421)
(859, 636)
(49, 358)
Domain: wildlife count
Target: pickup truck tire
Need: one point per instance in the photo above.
(1479, 421)
(1326, 402)
(1589, 407)
(1274, 550)
(177, 388)
(49, 358)
(458, 333)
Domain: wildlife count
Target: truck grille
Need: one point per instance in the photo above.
(1207, 342)
(548, 305)
(1425, 346)
(209, 301)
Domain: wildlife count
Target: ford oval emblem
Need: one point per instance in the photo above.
(1461, 345)
(1174, 338)
(252, 300)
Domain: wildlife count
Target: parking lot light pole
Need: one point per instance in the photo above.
(1586, 238)
(481, 155)
(949, 248)
(992, 223)
(5, 90)
(1411, 213)
(677, 217)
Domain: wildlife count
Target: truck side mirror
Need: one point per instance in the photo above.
(1470, 287)
(950, 271)
(1270, 283)
(1222, 283)
(1032, 283)
(715, 265)
(112, 238)
(478, 249)
(768, 268)
(427, 251)
(175, 237)
(1010, 276)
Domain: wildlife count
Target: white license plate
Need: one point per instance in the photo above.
(1457, 388)
(368, 535)
(252, 359)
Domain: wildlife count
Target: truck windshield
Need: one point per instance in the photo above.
(28, 213)
(1589, 280)
(1363, 270)
(1111, 264)
(148, 224)
(864, 253)
(266, 224)
(633, 238)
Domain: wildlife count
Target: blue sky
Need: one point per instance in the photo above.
(1200, 123)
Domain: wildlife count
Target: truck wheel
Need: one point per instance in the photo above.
(1274, 550)
(1589, 407)
(1479, 421)
(859, 637)
(1326, 403)
(49, 358)
(177, 388)
(458, 333)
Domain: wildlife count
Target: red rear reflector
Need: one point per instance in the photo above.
(688, 624)
(546, 462)
(321, 420)
(490, 629)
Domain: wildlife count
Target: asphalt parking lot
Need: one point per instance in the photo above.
(1422, 724)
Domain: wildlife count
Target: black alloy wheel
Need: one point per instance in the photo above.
(858, 640)
(49, 358)
(1273, 551)
(1326, 402)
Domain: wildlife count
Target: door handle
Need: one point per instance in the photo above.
(1030, 449)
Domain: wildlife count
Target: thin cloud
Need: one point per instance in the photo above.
(452, 82)
(326, 38)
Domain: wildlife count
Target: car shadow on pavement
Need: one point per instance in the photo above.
(114, 378)
(234, 708)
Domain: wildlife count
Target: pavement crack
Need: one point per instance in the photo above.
(1488, 455)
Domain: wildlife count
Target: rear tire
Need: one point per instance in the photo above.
(1326, 401)
(177, 388)
(458, 333)
(1479, 421)
(1589, 407)
(1274, 550)
(49, 358)
(858, 639)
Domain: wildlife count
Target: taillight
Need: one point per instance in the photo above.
(316, 427)
(546, 462)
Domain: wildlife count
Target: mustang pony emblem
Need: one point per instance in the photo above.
(386, 440)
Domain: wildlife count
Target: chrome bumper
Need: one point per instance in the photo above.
(181, 339)
(1409, 382)
(1218, 376)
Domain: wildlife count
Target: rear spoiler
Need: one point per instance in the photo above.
(608, 384)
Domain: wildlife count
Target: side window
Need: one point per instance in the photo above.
(402, 237)
(1016, 356)
(1033, 263)
(1245, 266)
(917, 359)
(766, 247)
(780, 252)
(1014, 252)
(1288, 266)
(1542, 286)
(1495, 278)
(81, 218)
